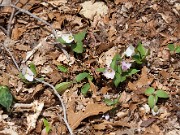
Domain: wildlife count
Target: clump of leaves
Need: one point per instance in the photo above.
(28, 73)
(119, 69)
(154, 95)
(75, 41)
(81, 77)
(140, 54)
(174, 48)
(6, 98)
(61, 87)
(121, 72)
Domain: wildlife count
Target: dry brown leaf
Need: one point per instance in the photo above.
(165, 74)
(106, 124)
(105, 58)
(89, 9)
(125, 97)
(57, 2)
(17, 32)
(4, 80)
(104, 90)
(148, 122)
(93, 88)
(54, 76)
(75, 118)
(39, 59)
(21, 47)
(120, 1)
(144, 80)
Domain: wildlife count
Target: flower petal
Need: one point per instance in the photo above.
(68, 38)
(129, 51)
(28, 74)
(125, 66)
(109, 73)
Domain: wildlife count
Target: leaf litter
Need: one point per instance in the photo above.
(120, 24)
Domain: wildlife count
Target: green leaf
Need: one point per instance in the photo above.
(85, 89)
(78, 47)
(171, 47)
(137, 58)
(100, 69)
(149, 91)
(60, 40)
(61, 87)
(156, 98)
(6, 98)
(62, 68)
(33, 68)
(47, 125)
(132, 71)
(118, 78)
(21, 76)
(110, 102)
(79, 36)
(177, 50)
(89, 77)
(142, 50)
(81, 76)
(161, 94)
(114, 62)
(151, 101)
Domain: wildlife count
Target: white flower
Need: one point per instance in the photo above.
(125, 66)
(129, 51)
(28, 74)
(106, 116)
(155, 111)
(68, 38)
(109, 73)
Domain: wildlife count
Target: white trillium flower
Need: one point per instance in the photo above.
(129, 51)
(106, 116)
(68, 38)
(28, 74)
(109, 73)
(155, 111)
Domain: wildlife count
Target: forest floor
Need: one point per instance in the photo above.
(110, 27)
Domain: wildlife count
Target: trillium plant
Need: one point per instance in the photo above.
(153, 96)
(75, 41)
(123, 66)
(28, 73)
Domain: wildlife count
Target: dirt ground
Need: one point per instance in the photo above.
(111, 26)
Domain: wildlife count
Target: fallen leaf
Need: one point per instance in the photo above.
(75, 118)
(143, 81)
(148, 122)
(89, 9)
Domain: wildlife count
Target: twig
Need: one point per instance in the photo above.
(9, 23)
(60, 99)
(4, 45)
(4, 30)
